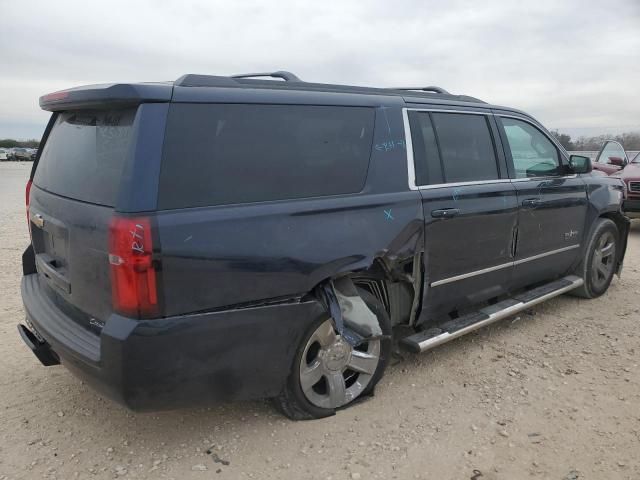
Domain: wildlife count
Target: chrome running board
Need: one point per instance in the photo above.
(431, 338)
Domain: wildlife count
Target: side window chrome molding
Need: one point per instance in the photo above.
(411, 171)
(551, 138)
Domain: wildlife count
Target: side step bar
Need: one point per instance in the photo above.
(431, 338)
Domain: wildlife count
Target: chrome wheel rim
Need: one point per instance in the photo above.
(332, 372)
(603, 261)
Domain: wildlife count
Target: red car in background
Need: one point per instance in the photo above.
(613, 161)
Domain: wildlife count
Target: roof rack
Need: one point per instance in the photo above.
(430, 88)
(286, 76)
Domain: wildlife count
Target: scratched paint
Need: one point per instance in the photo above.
(388, 215)
(390, 145)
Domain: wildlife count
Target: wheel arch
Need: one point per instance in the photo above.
(623, 225)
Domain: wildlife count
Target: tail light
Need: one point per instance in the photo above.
(27, 201)
(133, 275)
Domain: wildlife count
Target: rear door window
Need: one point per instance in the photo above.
(427, 164)
(466, 147)
(84, 155)
(216, 154)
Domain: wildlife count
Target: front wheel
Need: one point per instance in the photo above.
(601, 257)
(328, 373)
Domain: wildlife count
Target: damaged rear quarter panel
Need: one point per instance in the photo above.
(215, 257)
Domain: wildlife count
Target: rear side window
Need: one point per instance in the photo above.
(231, 153)
(466, 147)
(425, 149)
(84, 155)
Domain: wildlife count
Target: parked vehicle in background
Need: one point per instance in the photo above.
(21, 154)
(33, 152)
(4, 154)
(630, 175)
(613, 160)
(219, 238)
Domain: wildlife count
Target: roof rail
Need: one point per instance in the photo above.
(286, 76)
(424, 89)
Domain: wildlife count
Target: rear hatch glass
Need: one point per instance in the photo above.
(85, 153)
(71, 206)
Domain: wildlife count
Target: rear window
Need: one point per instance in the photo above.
(84, 155)
(230, 153)
(466, 147)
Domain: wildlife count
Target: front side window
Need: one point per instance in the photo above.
(217, 154)
(533, 154)
(466, 147)
(611, 150)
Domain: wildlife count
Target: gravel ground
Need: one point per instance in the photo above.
(551, 394)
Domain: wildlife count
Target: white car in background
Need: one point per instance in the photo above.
(4, 154)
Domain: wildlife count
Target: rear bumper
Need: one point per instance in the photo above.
(179, 361)
(631, 207)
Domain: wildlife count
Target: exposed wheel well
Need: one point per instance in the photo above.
(397, 288)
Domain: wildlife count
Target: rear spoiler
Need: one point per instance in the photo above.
(106, 95)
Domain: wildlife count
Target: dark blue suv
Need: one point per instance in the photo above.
(220, 238)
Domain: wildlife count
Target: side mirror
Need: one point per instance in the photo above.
(617, 161)
(580, 164)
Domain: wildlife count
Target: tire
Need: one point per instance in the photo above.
(312, 357)
(599, 264)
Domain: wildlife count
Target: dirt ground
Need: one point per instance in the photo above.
(551, 394)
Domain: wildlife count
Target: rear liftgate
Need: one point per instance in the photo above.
(432, 337)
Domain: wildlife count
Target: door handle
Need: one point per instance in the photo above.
(445, 212)
(531, 202)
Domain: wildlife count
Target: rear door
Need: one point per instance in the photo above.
(75, 188)
(470, 208)
(552, 203)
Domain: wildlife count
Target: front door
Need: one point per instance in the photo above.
(552, 204)
(470, 209)
(611, 158)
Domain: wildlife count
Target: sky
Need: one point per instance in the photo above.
(572, 64)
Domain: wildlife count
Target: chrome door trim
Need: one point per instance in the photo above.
(545, 254)
(411, 168)
(463, 276)
(444, 281)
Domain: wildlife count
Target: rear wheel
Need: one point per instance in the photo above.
(328, 373)
(599, 265)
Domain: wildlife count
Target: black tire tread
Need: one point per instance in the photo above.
(295, 407)
(583, 270)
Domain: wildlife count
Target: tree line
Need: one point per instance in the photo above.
(629, 140)
(10, 143)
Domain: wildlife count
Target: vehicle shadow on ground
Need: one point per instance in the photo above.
(82, 410)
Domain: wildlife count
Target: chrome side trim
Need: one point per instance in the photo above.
(499, 315)
(463, 184)
(538, 179)
(411, 168)
(456, 278)
(470, 274)
(545, 254)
